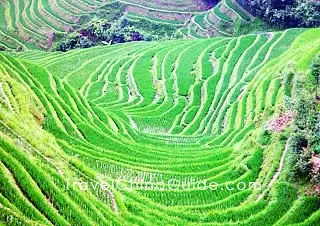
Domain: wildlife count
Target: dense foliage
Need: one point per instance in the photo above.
(64, 26)
(304, 141)
(285, 13)
(112, 27)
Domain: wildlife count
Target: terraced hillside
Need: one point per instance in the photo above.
(151, 113)
(37, 23)
(225, 19)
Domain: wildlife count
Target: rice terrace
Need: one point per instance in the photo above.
(158, 112)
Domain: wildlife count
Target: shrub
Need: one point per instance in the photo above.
(297, 143)
(285, 13)
(264, 137)
(85, 42)
(303, 166)
(288, 77)
(304, 141)
(316, 147)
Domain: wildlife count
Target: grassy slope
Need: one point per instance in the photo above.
(30, 26)
(166, 110)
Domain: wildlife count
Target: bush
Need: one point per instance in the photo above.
(288, 77)
(303, 167)
(85, 42)
(285, 13)
(305, 141)
(297, 143)
(264, 137)
(316, 147)
(315, 178)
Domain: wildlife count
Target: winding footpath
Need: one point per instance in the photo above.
(277, 173)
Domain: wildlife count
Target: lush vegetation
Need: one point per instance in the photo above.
(287, 13)
(113, 28)
(62, 25)
(157, 123)
(155, 112)
(302, 98)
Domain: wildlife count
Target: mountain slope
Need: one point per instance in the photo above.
(42, 23)
(154, 113)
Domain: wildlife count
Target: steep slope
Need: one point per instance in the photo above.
(154, 113)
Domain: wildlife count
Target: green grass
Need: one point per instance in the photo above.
(184, 110)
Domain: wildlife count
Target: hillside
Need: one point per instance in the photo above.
(42, 24)
(78, 128)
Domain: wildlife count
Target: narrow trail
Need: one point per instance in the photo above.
(277, 173)
(198, 25)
